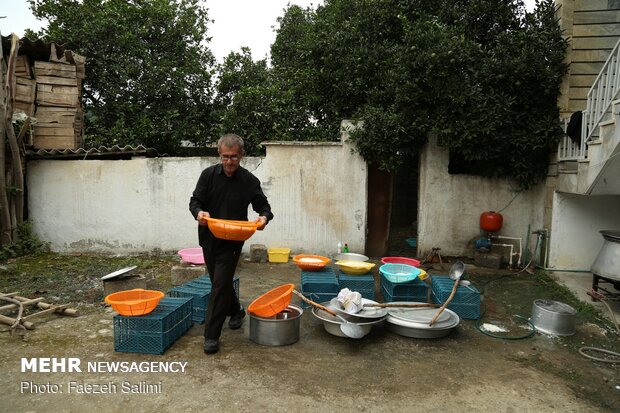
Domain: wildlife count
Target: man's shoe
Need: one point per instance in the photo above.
(211, 346)
(236, 320)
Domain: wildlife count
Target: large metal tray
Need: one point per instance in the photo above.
(422, 316)
(417, 332)
(420, 328)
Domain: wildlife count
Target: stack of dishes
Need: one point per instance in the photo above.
(365, 319)
(413, 322)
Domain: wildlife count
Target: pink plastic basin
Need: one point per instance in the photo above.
(192, 256)
(400, 260)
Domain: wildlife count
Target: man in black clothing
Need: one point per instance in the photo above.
(225, 191)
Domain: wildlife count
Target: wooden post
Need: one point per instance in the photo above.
(11, 321)
(28, 302)
(58, 309)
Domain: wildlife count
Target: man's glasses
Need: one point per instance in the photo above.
(233, 158)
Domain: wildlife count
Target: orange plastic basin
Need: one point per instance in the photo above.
(272, 302)
(134, 302)
(232, 230)
(309, 262)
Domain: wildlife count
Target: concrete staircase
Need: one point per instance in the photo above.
(599, 172)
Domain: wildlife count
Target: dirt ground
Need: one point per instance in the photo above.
(466, 370)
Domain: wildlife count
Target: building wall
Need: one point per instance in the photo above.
(575, 239)
(317, 192)
(449, 206)
(592, 28)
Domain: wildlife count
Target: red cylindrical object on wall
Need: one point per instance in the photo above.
(491, 221)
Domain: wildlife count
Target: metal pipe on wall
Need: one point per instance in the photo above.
(520, 253)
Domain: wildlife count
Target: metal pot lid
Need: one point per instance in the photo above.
(611, 235)
(119, 272)
(452, 322)
(367, 312)
(419, 315)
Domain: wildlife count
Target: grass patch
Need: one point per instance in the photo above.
(76, 278)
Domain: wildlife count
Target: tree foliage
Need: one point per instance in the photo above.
(482, 76)
(148, 73)
(258, 103)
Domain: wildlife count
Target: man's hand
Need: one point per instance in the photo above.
(261, 221)
(202, 217)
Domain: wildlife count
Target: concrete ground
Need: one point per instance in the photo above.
(383, 372)
(580, 283)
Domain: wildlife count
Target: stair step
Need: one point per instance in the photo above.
(567, 167)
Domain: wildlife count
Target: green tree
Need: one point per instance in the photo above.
(148, 71)
(481, 75)
(254, 102)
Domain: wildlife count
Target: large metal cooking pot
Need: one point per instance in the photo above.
(553, 317)
(607, 263)
(279, 330)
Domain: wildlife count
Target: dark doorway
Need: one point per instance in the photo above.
(403, 233)
(378, 211)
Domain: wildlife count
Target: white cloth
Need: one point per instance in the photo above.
(351, 301)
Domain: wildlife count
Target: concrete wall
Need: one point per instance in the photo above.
(575, 239)
(449, 206)
(317, 192)
(592, 28)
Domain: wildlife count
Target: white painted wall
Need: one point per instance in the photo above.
(450, 206)
(575, 239)
(317, 192)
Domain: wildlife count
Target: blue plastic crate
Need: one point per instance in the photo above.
(204, 282)
(364, 284)
(200, 291)
(420, 296)
(155, 332)
(415, 290)
(326, 271)
(316, 297)
(466, 300)
(322, 283)
(200, 300)
(198, 285)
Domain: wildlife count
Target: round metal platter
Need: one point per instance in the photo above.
(420, 317)
(119, 272)
(367, 312)
(407, 331)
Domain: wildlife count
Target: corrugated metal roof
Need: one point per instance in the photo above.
(113, 152)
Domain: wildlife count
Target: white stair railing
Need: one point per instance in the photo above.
(568, 150)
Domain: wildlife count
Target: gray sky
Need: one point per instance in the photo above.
(237, 22)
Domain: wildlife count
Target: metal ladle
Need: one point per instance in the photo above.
(456, 272)
(348, 328)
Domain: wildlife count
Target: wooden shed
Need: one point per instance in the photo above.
(48, 88)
